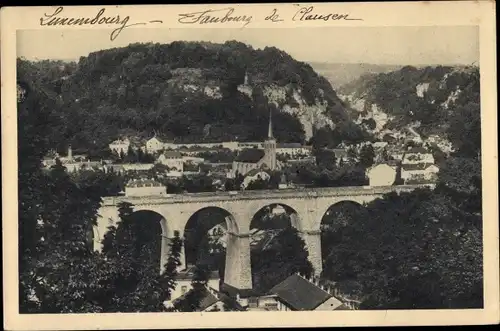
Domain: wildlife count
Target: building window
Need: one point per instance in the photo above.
(253, 302)
(271, 306)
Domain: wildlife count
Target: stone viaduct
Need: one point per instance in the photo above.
(309, 206)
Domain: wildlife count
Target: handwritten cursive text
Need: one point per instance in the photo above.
(53, 19)
(307, 14)
(225, 15)
(273, 17)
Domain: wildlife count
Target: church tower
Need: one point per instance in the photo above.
(70, 153)
(270, 146)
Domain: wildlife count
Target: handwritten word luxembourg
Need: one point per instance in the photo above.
(55, 18)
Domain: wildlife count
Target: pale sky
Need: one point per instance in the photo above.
(377, 45)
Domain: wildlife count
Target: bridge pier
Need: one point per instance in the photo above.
(312, 239)
(238, 270)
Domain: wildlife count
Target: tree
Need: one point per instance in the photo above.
(325, 159)
(131, 156)
(286, 255)
(258, 184)
(59, 272)
(65, 265)
(140, 156)
(412, 252)
(367, 156)
(465, 130)
(192, 299)
(275, 180)
(173, 263)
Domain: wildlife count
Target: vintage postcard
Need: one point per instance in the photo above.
(267, 165)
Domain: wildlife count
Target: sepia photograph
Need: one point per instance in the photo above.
(264, 170)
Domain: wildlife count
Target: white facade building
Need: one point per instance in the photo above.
(144, 187)
(418, 155)
(120, 145)
(172, 159)
(419, 173)
(293, 150)
(382, 174)
(418, 166)
(154, 145)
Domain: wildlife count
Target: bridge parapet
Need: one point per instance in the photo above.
(304, 193)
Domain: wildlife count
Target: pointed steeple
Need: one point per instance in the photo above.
(270, 130)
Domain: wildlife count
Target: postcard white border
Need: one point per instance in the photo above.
(426, 13)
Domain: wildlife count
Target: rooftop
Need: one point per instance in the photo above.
(300, 294)
(250, 155)
(416, 166)
(290, 145)
(144, 183)
(418, 150)
(172, 154)
(209, 296)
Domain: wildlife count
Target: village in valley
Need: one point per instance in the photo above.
(402, 157)
(225, 175)
(157, 163)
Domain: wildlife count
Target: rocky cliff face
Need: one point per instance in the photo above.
(179, 89)
(417, 102)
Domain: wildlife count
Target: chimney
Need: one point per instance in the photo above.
(70, 153)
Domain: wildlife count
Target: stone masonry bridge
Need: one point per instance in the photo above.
(309, 206)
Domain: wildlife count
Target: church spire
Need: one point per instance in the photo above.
(270, 130)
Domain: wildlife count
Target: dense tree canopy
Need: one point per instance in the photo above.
(421, 249)
(285, 255)
(436, 97)
(58, 269)
(172, 89)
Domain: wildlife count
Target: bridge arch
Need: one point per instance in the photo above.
(205, 236)
(148, 229)
(337, 220)
(275, 208)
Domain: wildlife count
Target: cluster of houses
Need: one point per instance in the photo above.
(156, 145)
(393, 164)
(416, 165)
(295, 293)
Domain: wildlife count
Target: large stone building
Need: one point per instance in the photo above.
(120, 146)
(144, 187)
(255, 158)
(172, 159)
(293, 150)
(418, 166)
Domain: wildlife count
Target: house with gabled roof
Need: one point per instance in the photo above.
(210, 300)
(418, 166)
(299, 293)
(172, 159)
(154, 145)
(419, 173)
